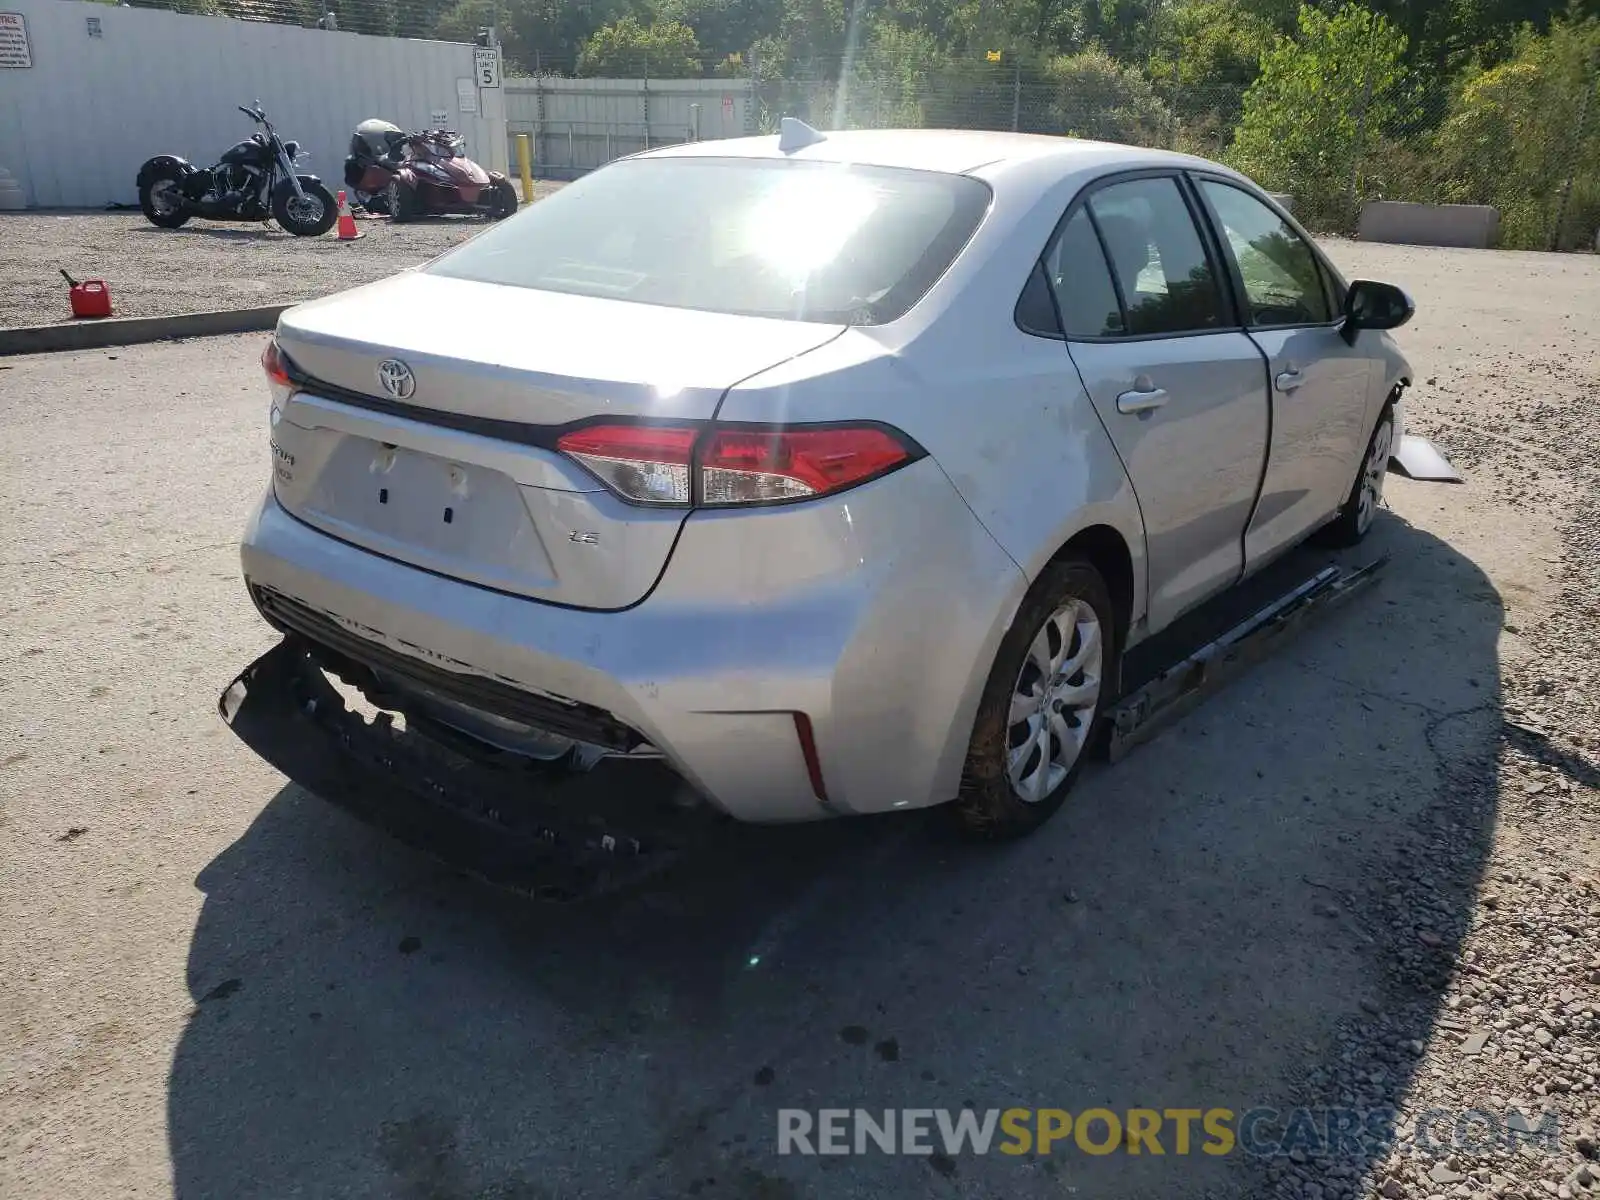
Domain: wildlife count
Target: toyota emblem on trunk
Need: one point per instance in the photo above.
(396, 378)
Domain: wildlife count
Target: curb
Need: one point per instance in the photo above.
(129, 331)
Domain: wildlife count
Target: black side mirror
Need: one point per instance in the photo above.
(1373, 305)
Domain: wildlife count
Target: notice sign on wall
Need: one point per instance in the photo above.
(14, 50)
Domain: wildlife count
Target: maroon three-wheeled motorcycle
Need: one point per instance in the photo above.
(425, 174)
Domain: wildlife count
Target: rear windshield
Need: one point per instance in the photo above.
(755, 237)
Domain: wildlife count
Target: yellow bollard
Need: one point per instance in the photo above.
(525, 162)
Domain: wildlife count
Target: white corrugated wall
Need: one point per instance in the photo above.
(580, 124)
(75, 126)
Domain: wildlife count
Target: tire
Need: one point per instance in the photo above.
(1012, 784)
(402, 202)
(287, 210)
(152, 200)
(1360, 507)
(503, 200)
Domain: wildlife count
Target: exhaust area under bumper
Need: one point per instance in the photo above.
(519, 826)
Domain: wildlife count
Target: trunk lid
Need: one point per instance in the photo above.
(445, 472)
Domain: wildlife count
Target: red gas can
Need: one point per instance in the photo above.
(91, 298)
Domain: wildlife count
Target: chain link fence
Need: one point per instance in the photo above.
(1522, 137)
(1533, 154)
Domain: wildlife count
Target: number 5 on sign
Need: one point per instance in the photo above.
(487, 60)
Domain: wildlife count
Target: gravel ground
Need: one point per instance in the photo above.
(1365, 875)
(1490, 993)
(203, 266)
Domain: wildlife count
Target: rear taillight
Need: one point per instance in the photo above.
(279, 381)
(749, 467)
(648, 464)
(725, 465)
(272, 362)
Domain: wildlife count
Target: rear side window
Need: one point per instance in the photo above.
(806, 241)
(1166, 280)
(1076, 269)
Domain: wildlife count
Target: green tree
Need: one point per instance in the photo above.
(1207, 55)
(1281, 15)
(889, 80)
(936, 18)
(723, 27)
(1313, 117)
(814, 34)
(534, 34)
(1126, 28)
(1093, 95)
(1447, 35)
(1034, 29)
(628, 49)
(801, 63)
(1525, 137)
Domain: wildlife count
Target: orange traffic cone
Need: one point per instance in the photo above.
(347, 220)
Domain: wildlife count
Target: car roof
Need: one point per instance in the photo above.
(952, 151)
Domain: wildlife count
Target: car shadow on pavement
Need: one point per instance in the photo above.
(1249, 911)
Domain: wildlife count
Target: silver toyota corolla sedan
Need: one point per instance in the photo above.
(837, 470)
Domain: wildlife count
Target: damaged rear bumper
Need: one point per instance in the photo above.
(516, 826)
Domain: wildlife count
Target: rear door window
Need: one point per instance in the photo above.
(1166, 280)
(1075, 266)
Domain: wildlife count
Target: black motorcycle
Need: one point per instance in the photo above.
(254, 181)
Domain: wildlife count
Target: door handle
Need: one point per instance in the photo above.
(1288, 380)
(1139, 402)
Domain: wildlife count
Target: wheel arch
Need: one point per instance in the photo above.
(1104, 548)
(1392, 375)
(1107, 549)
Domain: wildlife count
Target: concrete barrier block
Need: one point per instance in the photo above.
(1284, 199)
(1475, 226)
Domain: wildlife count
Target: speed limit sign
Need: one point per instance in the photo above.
(487, 60)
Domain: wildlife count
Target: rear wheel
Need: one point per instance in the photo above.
(161, 200)
(502, 200)
(310, 214)
(402, 202)
(1360, 507)
(1050, 682)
